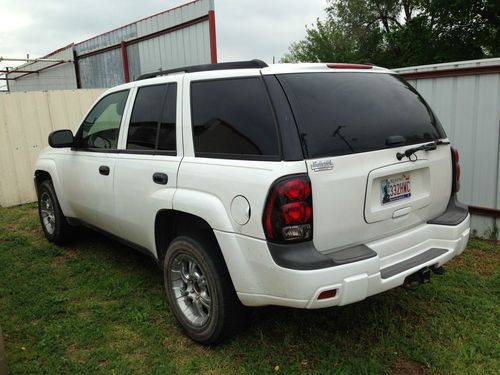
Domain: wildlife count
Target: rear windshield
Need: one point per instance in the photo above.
(346, 113)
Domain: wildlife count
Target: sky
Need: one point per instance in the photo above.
(246, 29)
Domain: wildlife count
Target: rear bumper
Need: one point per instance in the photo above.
(259, 280)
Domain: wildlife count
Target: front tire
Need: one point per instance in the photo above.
(200, 291)
(54, 223)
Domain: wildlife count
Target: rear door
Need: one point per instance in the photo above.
(352, 125)
(146, 166)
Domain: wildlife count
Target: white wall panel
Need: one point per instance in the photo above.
(26, 119)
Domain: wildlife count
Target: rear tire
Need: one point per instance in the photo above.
(200, 291)
(54, 223)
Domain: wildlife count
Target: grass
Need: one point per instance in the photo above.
(98, 307)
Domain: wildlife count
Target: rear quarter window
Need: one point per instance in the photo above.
(233, 118)
(345, 113)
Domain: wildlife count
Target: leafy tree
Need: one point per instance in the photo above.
(397, 33)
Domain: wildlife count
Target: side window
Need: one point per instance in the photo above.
(233, 118)
(152, 124)
(143, 126)
(101, 127)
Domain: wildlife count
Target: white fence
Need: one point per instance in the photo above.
(26, 118)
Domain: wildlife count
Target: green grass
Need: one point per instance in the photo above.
(98, 307)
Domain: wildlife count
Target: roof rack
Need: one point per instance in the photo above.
(250, 64)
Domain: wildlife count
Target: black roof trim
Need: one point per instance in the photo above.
(250, 64)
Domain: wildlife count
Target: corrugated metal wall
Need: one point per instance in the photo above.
(168, 48)
(102, 70)
(468, 106)
(189, 46)
(26, 119)
(60, 77)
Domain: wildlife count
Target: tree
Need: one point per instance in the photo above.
(396, 33)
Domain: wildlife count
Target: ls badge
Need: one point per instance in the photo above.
(322, 165)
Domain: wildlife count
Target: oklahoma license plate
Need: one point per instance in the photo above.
(395, 188)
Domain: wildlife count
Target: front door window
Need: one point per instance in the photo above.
(102, 125)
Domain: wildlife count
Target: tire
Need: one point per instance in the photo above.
(54, 223)
(200, 291)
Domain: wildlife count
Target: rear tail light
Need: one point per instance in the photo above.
(288, 210)
(455, 159)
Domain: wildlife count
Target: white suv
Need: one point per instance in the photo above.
(308, 185)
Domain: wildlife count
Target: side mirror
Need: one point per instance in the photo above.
(61, 138)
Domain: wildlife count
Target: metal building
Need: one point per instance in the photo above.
(181, 36)
(466, 98)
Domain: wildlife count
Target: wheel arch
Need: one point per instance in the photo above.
(170, 223)
(40, 176)
(46, 168)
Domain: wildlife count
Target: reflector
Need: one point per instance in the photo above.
(327, 294)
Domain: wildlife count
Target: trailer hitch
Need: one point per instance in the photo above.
(422, 276)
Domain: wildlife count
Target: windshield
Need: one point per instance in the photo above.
(346, 113)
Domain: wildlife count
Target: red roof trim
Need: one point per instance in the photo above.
(57, 51)
(142, 19)
(457, 72)
(195, 21)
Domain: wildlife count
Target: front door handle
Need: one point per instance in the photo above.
(160, 178)
(104, 170)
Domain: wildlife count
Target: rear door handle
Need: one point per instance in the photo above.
(104, 170)
(160, 178)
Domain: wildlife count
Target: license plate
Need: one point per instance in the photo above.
(395, 188)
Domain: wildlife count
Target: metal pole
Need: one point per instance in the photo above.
(77, 71)
(17, 71)
(212, 37)
(33, 60)
(123, 48)
(8, 87)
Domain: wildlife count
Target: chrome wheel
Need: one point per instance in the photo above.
(47, 212)
(191, 289)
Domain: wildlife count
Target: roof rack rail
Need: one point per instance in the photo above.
(250, 64)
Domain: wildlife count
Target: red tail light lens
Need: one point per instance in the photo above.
(288, 210)
(455, 158)
(297, 212)
(457, 155)
(295, 190)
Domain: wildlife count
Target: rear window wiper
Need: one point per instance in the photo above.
(427, 147)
